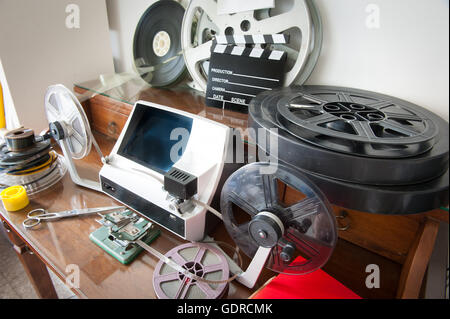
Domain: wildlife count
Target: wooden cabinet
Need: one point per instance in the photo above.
(107, 115)
(387, 235)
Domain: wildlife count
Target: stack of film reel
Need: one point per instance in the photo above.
(366, 151)
(174, 38)
(356, 149)
(28, 160)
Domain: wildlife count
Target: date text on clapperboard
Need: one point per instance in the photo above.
(237, 73)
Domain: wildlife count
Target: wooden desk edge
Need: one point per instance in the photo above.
(37, 252)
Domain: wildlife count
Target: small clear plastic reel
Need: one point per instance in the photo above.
(277, 207)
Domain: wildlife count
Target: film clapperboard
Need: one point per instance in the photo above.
(238, 73)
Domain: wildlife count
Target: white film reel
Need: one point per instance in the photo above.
(70, 126)
(62, 106)
(299, 18)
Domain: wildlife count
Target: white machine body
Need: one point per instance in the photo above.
(137, 180)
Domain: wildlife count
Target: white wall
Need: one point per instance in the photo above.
(123, 18)
(38, 50)
(406, 57)
(11, 118)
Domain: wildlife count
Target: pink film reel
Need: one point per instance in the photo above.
(203, 260)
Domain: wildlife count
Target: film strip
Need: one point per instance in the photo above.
(239, 70)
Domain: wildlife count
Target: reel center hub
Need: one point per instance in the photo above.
(353, 111)
(194, 268)
(161, 43)
(266, 229)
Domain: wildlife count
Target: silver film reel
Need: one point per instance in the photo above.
(62, 105)
(298, 18)
(69, 125)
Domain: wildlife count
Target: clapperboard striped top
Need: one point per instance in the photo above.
(249, 52)
(253, 39)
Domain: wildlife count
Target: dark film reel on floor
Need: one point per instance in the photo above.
(277, 207)
(365, 150)
(157, 46)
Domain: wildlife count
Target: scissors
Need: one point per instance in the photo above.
(35, 217)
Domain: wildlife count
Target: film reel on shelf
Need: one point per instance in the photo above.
(70, 127)
(299, 18)
(157, 45)
(365, 150)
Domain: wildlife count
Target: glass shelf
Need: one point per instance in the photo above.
(129, 88)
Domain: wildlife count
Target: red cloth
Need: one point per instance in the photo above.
(316, 285)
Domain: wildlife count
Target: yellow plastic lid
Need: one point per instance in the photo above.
(14, 198)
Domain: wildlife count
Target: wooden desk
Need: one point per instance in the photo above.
(400, 245)
(66, 242)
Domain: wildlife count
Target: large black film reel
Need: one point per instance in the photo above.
(318, 150)
(256, 213)
(157, 46)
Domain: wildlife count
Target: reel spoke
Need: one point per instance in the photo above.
(53, 111)
(390, 124)
(176, 257)
(270, 189)
(77, 136)
(206, 289)
(212, 268)
(321, 119)
(182, 290)
(209, 8)
(380, 104)
(201, 252)
(246, 206)
(199, 53)
(304, 208)
(344, 97)
(294, 107)
(312, 247)
(167, 277)
(314, 99)
(283, 21)
(363, 129)
(407, 117)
